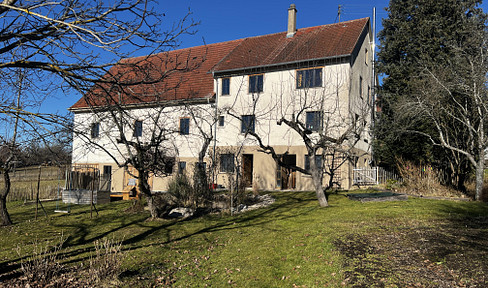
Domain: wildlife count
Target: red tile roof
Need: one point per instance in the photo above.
(307, 44)
(175, 75)
(185, 73)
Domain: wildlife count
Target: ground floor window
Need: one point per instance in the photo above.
(227, 163)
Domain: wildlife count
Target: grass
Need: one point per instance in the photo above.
(290, 243)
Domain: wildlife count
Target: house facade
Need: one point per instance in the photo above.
(320, 75)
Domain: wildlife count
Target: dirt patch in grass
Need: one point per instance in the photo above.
(448, 254)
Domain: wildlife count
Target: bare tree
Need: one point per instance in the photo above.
(454, 100)
(72, 44)
(328, 120)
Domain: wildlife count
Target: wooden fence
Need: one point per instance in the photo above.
(25, 182)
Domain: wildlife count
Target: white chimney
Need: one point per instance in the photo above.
(292, 21)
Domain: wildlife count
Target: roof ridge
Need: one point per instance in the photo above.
(240, 39)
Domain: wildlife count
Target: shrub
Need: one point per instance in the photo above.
(105, 266)
(44, 264)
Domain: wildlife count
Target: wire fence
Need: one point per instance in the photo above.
(25, 182)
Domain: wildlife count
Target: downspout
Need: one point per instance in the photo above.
(374, 84)
(215, 132)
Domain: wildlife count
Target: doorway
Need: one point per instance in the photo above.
(106, 181)
(286, 177)
(247, 169)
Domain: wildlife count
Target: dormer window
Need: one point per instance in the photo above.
(308, 78)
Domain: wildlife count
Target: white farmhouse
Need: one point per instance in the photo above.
(224, 90)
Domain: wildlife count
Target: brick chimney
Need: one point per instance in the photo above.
(292, 21)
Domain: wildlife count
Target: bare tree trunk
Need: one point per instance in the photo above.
(319, 191)
(317, 183)
(6, 221)
(479, 178)
(145, 189)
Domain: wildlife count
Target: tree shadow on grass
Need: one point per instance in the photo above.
(78, 246)
(275, 212)
(449, 250)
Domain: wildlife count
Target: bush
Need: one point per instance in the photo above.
(180, 188)
(423, 180)
(191, 195)
(44, 264)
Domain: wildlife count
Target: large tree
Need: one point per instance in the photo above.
(419, 35)
(71, 43)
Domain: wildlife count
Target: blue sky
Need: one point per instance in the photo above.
(224, 20)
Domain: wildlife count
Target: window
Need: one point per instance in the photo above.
(247, 123)
(256, 83)
(169, 163)
(309, 78)
(360, 87)
(227, 163)
(313, 120)
(95, 130)
(221, 121)
(181, 167)
(138, 128)
(225, 86)
(366, 56)
(184, 126)
(318, 162)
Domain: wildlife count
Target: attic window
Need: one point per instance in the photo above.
(184, 126)
(256, 83)
(225, 86)
(95, 130)
(308, 78)
(138, 128)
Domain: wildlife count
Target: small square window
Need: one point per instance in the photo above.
(138, 128)
(227, 163)
(221, 121)
(313, 120)
(256, 83)
(318, 162)
(225, 86)
(309, 78)
(247, 123)
(95, 130)
(184, 126)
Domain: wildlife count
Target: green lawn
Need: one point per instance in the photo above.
(291, 243)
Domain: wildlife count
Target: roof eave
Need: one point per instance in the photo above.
(279, 64)
(210, 98)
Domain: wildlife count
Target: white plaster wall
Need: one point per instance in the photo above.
(104, 148)
(281, 98)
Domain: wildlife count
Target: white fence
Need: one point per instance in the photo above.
(373, 176)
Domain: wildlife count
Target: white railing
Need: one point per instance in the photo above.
(373, 176)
